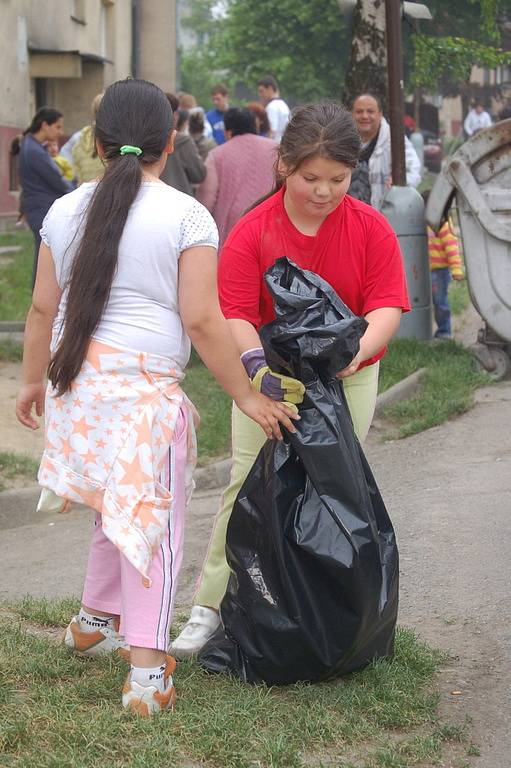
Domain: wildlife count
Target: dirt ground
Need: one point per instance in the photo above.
(15, 437)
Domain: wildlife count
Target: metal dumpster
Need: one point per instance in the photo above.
(477, 179)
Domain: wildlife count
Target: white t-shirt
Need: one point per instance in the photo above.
(278, 116)
(142, 311)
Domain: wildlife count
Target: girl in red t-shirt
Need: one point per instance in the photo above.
(310, 219)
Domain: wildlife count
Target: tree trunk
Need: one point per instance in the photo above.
(367, 70)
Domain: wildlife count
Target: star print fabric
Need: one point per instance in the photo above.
(107, 439)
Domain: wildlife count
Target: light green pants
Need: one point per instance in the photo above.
(247, 440)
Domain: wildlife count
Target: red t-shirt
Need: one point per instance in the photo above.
(355, 250)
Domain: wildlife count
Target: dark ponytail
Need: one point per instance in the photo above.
(43, 115)
(132, 112)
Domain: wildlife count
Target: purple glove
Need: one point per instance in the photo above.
(274, 385)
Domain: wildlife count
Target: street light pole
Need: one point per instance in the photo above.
(395, 90)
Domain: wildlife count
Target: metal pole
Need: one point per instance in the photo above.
(395, 90)
(135, 39)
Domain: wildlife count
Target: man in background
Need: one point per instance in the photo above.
(220, 98)
(375, 134)
(276, 108)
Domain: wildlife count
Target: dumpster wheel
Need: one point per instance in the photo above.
(493, 360)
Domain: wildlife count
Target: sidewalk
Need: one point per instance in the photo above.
(448, 493)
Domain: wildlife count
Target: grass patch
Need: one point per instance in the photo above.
(57, 709)
(16, 277)
(459, 297)
(14, 466)
(446, 390)
(214, 406)
(10, 351)
(47, 613)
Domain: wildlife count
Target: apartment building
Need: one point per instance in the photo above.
(61, 53)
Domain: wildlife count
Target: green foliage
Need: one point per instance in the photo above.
(452, 57)
(489, 12)
(200, 19)
(462, 34)
(305, 45)
(199, 66)
(198, 75)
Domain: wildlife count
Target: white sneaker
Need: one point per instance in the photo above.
(105, 640)
(147, 700)
(201, 625)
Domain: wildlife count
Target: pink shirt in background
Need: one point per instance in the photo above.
(239, 172)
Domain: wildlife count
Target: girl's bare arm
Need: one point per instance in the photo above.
(211, 336)
(36, 347)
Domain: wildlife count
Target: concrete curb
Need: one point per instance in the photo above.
(403, 390)
(19, 507)
(12, 326)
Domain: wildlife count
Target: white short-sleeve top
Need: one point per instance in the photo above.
(142, 311)
(278, 116)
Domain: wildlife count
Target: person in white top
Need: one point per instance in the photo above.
(476, 120)
(376, 151)
(276, 108)
(126, 277)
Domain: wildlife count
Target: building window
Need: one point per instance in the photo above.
(41, 92)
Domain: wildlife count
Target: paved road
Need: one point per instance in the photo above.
(448, 491)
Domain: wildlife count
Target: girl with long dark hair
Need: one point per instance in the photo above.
(127, 275)
(40, 178)
(309, 218)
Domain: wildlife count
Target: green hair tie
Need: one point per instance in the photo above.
(127, 149)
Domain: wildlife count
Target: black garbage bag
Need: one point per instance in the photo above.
(313, 591)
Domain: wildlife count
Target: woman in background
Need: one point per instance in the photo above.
(40, 178)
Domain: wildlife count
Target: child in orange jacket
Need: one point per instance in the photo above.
(445, 265)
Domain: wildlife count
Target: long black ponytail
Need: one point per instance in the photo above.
(132, 112)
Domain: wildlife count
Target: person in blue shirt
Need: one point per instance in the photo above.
(220, 98)
(40, 177)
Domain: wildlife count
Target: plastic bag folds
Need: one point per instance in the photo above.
(313, 591)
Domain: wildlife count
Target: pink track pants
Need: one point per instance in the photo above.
(113, 585)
